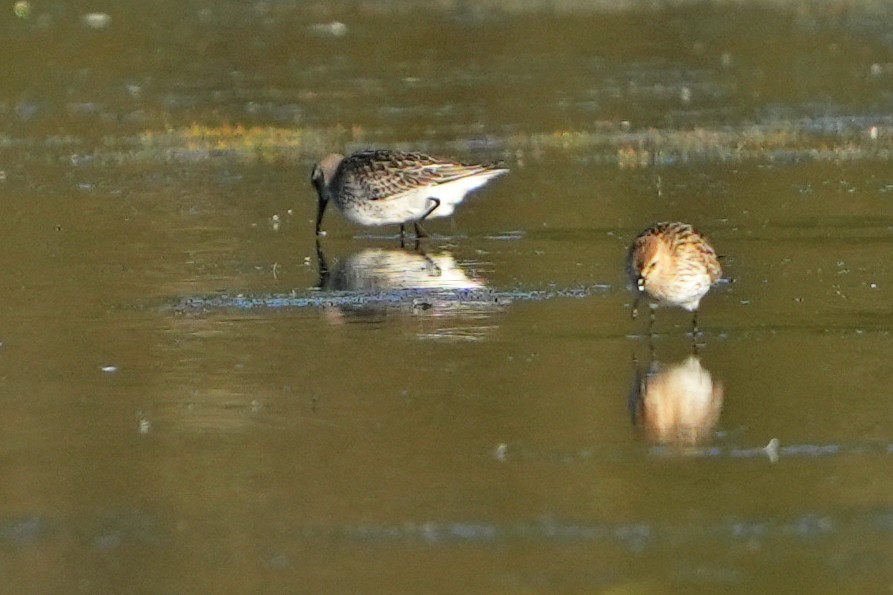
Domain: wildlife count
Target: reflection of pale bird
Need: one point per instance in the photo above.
(375, 269)
(678, 404)
(380, 187)
(673, 265)
(432, 290)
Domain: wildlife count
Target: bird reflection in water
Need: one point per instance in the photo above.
(377, 269)
(677, 404)
(384, 282)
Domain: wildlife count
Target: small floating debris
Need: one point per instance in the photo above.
(333, 29)
(22, 9)
(145, 426)
(501, 452)
(96, 20)
(109, 369)
(772, 450)
(506, 235)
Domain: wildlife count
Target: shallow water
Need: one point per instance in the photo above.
(198, 398)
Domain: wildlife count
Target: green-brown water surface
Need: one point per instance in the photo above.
(190, 406)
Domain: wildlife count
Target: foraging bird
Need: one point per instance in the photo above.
(672, 264)
(378, 187)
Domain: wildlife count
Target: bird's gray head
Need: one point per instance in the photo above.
(322, 176)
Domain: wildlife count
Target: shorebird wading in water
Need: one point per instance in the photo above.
(672, 264)
(380, 187)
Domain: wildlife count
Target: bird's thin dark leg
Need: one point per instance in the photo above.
(402, 236)
(433, 269)
(694, 333)
(694, 346)
(436, 204)
(419, 232)
(636, 394)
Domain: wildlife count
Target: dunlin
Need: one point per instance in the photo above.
(672, 264)
(380, 187)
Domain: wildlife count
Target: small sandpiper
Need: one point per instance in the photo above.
(379, 187)
(672, 264)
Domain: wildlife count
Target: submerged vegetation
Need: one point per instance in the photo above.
(827, 139)
(620, 83)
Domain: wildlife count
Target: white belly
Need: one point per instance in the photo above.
(410, 206)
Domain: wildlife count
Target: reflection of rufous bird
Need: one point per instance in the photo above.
(380, 187)
(672, 264)
(678, 404)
